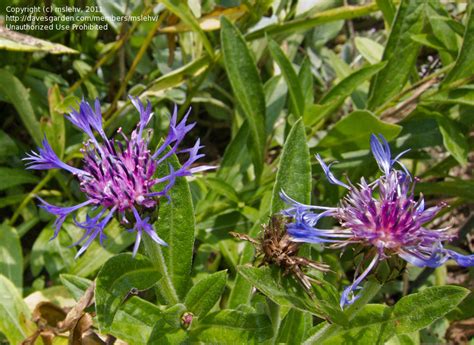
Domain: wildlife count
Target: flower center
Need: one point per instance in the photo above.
(120, 175)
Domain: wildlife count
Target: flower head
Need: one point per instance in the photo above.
(118, 177)
(383, 214)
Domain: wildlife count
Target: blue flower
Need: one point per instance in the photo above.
(118, 177)
(382, 214)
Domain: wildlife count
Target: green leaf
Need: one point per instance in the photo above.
(205, 294)
(293, 327)
(369, 326)
(457, 187)
(13, 312)
(75, 284)
(416, 311)
(167, 330)
(404, 339)
(116, 279)
(305, 77)
(276, 91)
(441, 25)
(245, 81)
(325, 330)
(8, 147)
(346, 86)
(163, 333)
(55, 255)
(463, 95)
(453, 138)
(375, 324)
(11, 177)
(12, 199)
(14, 91)
(177, 77)
(336, 96)
(314, 113)
(18, 42)
(134, 321)
(234, 161)
(464, 62)
(54, 127)
(294, 171)
(388, 9)
(284, 291)
(175, 226)
(11, 255)
(294, 87)
(353, 132)
(220, 187)
(429, 41)
(400, 48)
(369, 49)
(172, 315)
(233, 327)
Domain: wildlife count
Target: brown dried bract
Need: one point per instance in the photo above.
(53, 321)
(276, 247)
(460, 332)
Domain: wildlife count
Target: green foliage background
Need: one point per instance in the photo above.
(270, 83)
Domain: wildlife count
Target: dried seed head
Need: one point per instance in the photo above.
(276, 248)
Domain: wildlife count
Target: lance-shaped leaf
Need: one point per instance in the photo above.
(294, 171)
(18, 42)
(400, 53)
(464, 62)
(15, 92)
(175, 226)
(375, 324)
(246, 85)
(11, 258)
(291, 78)
(352, 131)
(13, 312)
(205, 294)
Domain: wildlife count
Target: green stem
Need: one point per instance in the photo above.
(166, 287)
(371, 288)
(440, 275)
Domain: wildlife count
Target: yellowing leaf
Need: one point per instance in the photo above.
(15, 41)
(210, 22)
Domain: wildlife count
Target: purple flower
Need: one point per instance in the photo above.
(383, 214)
(118, 177)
